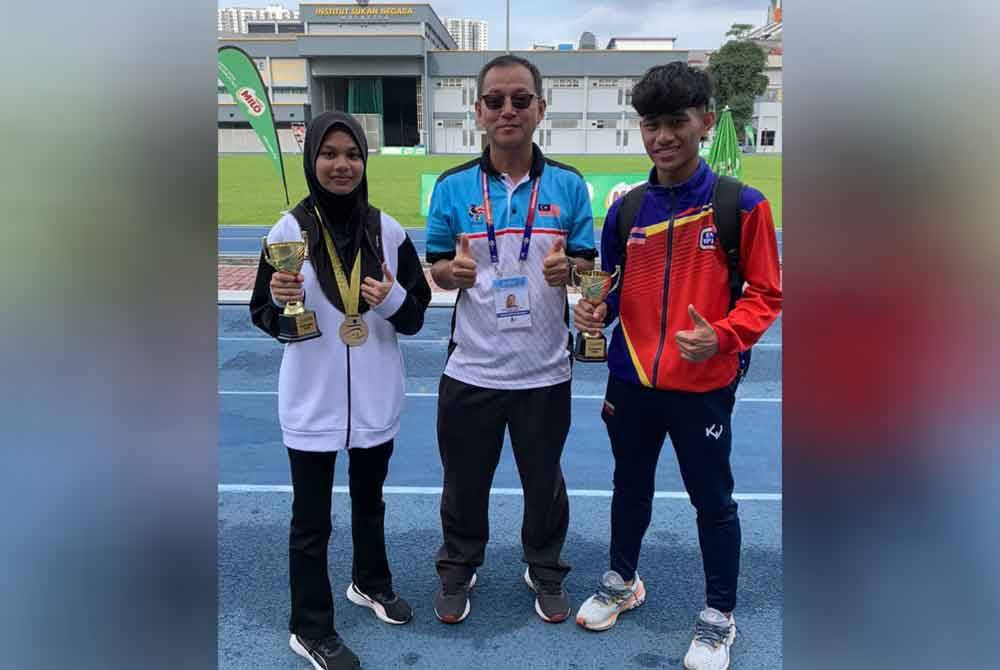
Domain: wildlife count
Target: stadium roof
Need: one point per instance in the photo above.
(612, 41)
(769, 32)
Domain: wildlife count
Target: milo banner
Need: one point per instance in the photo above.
(604, 189)
(240, 76)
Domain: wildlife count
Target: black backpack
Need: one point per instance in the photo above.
(726, 206)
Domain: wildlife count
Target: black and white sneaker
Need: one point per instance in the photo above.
(388, 607)
(329, 653)
(551, 601)
(451, 604)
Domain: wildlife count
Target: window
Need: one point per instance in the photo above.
(604, 83)
(564, 123)
(767, 138)
(453, 123)
(564, 83)
(449, 83)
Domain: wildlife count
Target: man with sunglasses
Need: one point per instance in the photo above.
(510, 222)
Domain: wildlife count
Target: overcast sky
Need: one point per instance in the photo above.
(697, 24)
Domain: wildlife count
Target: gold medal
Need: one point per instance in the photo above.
(354, 331)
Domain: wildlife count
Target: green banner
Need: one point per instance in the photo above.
(604, 189)
(403, 151)
(240, 76)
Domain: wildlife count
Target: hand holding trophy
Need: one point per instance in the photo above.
(295, 323)
(592, 347)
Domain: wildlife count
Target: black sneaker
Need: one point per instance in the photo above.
(451, 604)
(388, 607)
(330, 653)
(551, 601)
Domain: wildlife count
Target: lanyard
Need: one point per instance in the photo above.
(350, 297)
(491, 234)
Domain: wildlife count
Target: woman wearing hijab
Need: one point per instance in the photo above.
(341, 390)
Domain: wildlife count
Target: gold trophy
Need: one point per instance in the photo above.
(295, 323)
(595, 285)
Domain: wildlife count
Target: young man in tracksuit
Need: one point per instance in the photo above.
(675, 353)
(504, 229)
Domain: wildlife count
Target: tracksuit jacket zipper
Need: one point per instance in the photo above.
(347, 443)
(376, 249)
(666, 289)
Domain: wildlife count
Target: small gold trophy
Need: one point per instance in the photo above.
(296, 323)
(595, 285)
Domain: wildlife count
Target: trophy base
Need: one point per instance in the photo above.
(590, 348)
(297, 327)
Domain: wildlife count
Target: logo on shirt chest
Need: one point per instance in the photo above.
(709, 238)
(548, 209)
(476, 213)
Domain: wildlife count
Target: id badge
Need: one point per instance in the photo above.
(512, 304)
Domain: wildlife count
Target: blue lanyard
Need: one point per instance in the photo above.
(491, 234)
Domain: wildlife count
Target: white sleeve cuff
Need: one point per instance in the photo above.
(393, 301)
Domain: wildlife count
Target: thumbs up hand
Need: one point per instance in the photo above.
(375, 291)
(699, 344)
(555, 267)
(463, 266)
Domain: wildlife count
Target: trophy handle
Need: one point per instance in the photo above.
(305, 239)
(267, 256)
(615, 278)
(574, 275)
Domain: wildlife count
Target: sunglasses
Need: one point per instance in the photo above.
(494, 101)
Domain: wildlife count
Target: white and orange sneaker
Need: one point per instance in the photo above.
(714, 634)
(600, 611)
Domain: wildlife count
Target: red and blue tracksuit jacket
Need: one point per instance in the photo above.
(674, 258)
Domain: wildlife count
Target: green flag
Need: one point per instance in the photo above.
(724, 156)
(239, 75)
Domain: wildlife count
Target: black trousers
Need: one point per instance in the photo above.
(312, 484)
(471, 423)
(638, 420)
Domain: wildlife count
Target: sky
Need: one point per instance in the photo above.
(697, 24)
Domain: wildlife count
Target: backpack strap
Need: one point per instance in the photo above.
(726, 206)
(627, 214)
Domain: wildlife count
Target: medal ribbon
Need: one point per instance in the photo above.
(491, 234)
(351, 298)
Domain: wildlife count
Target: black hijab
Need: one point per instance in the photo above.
(353, 224)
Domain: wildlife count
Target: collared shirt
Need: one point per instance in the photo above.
(483, 355)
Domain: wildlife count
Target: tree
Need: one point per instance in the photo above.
(738, 72)
(739, 30)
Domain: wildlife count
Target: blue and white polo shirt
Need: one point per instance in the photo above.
(482, 354)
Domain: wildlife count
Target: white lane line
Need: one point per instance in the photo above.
(434, 395)
(436, 490)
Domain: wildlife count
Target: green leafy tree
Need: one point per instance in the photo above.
(739, 30)
(738, 72)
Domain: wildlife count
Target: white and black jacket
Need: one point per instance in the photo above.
(331, 396)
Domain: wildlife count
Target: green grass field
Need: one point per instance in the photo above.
(250, 191)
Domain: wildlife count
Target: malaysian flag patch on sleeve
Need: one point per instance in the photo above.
(637, 236)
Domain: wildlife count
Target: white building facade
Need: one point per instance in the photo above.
(235, 19)
(469, 34)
